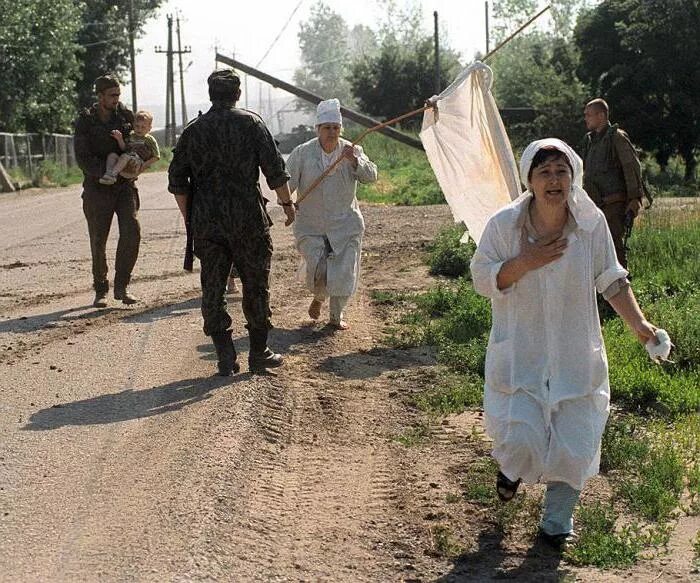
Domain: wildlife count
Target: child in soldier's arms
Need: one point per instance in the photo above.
(140, 150)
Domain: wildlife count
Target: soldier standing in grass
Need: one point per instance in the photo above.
(541, 260)
(215, 170)
(612, 174)
(93, 144)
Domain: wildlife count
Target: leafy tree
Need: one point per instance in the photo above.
(399, 76)
(398, 80)
(325, 55)
(39, 64)
(642, 57)
(538, 71)
(104, 34)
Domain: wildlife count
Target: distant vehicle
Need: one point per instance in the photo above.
(288, 141)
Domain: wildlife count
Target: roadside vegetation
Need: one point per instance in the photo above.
(49, 174)
(651, 447)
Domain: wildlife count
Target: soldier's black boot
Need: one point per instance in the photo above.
(120, 291)
(225, 353)
(101, 290)
(261, 357)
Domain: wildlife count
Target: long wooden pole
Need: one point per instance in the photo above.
(516, 33)
(358, 139)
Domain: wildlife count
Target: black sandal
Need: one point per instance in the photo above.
(506, 488)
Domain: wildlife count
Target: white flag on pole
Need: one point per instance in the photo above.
(469, 150)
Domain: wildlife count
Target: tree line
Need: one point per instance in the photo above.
(640, 55)
(51, 51)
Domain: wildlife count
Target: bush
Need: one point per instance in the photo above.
(448, 256)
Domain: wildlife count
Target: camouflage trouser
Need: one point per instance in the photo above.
(100, 203)
(615, 215)
(251, 255)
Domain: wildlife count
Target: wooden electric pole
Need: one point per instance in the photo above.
(180, 52)
(486, 14)
(170, 121)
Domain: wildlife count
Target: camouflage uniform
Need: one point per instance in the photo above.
(93, 143)
(612, 178)
(217, 162)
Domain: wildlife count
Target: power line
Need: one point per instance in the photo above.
(286, 24)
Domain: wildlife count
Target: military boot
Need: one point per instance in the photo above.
(101, 290)
(120, 291)
(261, 357)
(225, 353)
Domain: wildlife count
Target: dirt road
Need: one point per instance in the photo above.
(123, 459)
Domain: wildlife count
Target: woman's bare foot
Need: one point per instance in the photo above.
(339, 324)
(315, 309)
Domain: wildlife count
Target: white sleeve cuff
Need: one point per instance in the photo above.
(610, 275)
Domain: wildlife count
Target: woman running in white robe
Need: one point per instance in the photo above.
(546, 397)
(329, 225)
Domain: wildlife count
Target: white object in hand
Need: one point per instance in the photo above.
(659, 352)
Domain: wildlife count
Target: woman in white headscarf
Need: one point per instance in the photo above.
(541, 260)
(329, 225)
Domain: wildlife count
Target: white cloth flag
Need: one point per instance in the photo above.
(469, 150)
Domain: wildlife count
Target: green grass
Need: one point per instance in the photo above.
(599, 544)
(413, 436)
(405, 175)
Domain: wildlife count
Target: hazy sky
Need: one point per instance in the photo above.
(249, 27)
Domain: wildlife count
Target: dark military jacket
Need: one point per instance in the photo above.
(93, 142)
(217, 161)
(611, 166)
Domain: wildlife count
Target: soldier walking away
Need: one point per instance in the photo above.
(612, 174)
(93, 144)
(214, 177)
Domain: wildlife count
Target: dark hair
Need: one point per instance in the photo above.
(545, 155)
(105, 82)
(599, 105)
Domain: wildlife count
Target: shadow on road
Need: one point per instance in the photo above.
(163, 312)
(28, 324)
(372, 363)
(489, 563)
(129, 404)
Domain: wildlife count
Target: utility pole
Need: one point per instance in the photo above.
(180, 52)
(132, 57)
(169, 106)
(437, 54)
(486, 13)
(170, 121)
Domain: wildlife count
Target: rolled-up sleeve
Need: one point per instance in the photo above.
(607, 268)
(486, 263)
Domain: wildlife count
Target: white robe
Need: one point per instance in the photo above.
(546, 394)
(330, 211)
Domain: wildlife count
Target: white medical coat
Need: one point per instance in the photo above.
(331, 210)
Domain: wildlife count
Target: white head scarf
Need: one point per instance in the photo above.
(328, 111)
(580, 205)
